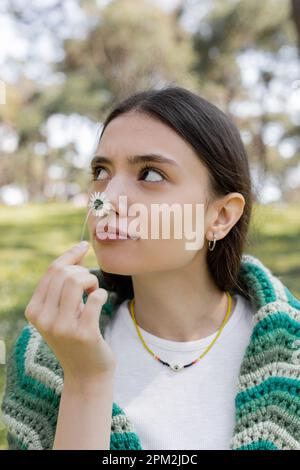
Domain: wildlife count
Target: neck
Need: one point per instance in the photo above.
(180, 305)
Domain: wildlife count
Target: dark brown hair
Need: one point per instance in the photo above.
(217, 142)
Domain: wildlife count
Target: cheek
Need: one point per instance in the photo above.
(177, 221)
(162, 255)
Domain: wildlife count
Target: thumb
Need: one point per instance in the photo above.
(80, 262)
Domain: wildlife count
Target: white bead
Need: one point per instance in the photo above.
(176, 366)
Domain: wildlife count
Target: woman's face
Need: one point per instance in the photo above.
(184, 180)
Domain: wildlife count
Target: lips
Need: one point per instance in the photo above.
(100, 230)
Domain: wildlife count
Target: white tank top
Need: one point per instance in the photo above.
(190, 409)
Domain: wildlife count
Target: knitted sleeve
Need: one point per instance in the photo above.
(268, 399)
(32, 392)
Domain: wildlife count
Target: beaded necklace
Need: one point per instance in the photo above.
(176, 365)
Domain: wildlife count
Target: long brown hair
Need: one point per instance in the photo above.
(217, 142)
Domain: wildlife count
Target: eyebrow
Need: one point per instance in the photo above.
(135, 159)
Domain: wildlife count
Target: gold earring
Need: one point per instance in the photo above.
(211, 245)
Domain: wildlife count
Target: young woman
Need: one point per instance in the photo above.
(194, 348)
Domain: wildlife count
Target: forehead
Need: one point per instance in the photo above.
(136, 133)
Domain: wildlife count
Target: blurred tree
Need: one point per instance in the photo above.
(127, 46)
(237, 29)
(295, 13)
(132, 46)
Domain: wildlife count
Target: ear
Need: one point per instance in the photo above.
(230, 210)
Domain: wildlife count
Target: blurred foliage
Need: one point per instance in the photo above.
(130, 45)
(34, 235)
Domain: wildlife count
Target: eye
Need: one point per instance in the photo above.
(95, 173)
(149, 169)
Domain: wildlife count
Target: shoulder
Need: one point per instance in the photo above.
(269, 376)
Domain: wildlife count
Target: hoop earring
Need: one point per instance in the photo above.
(211, 245)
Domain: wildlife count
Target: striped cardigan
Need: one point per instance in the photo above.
(267, 401)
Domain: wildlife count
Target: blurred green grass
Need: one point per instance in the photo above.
(32, 236)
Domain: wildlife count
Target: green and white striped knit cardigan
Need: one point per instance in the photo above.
(267, 402)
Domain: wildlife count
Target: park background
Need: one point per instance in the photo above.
(65, 64)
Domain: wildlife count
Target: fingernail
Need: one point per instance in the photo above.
(84, 244)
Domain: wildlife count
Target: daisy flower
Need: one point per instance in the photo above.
(100, 204)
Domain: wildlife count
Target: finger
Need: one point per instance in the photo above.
(73, 255)
(54, 292)
(37, 299)
(89, 319)
(71, 296)
(81, 260)
(51, 308)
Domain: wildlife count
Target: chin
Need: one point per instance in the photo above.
(118, 264)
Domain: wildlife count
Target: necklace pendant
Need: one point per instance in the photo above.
(176, 366)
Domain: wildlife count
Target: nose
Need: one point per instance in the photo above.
(117, 195)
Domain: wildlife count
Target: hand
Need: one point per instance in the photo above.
(71, 328)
